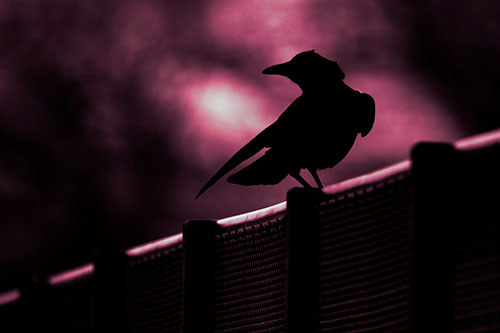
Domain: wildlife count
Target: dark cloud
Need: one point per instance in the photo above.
(456, 46)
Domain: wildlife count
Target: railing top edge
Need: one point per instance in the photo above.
(478, 141)
(154, 245)
(71, 274)
(372, 177)
(254, 215)
(9, 296)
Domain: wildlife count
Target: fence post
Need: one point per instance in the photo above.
(34, 311)
(109, 284)
(198, 242)
(434, 178)
(302, 287)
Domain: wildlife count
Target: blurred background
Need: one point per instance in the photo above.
(114, 113)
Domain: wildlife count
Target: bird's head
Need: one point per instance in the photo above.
(308, 68)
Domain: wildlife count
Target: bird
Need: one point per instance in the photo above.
(315, 132)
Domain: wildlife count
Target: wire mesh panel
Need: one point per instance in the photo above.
(476, 303)
(70, 305)
(249, 276)
(365, 258)
(153, 291)
(10, 313)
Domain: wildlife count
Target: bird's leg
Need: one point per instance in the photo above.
(301, 180)
(316, 178)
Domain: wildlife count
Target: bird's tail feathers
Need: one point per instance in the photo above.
(251, 148)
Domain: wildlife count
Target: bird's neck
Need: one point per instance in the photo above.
(322, 87)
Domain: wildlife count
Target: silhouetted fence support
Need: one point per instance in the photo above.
(109, 291)
(302, 274)
(434, 167)
(34, 295)
(198, 238)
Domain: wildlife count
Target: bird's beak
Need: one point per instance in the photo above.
(281, 69)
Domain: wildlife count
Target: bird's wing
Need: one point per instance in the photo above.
(267, 170)
(366, 106)
(265, 139)
(255, 145)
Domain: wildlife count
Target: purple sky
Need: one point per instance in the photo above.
(115, 113)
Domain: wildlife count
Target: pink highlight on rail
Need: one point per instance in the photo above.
(335, 188)
(71, 274)
(154, 245)
(251, 216)
(368, 178)
(9, 297)
(480, 140)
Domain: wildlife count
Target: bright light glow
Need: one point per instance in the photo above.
(72, 274)
(154, 245)
(251, 216)
(9, 296)
(480, 140)
(368, 178)
(225, 107)
(224, 112)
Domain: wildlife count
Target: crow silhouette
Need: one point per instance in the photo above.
(315, 132)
